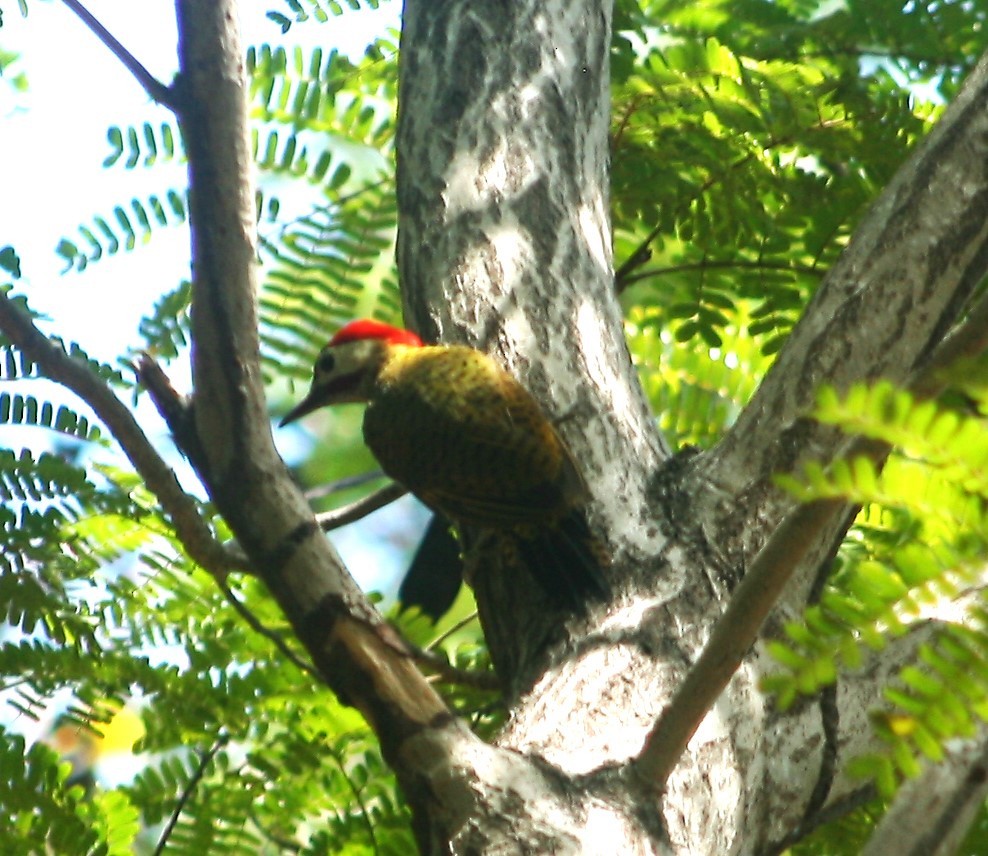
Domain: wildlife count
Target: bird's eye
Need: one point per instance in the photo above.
(326, 363)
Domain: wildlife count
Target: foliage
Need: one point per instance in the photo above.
(742, 157)
(698, 391)
(846, 836)
(10, 73)
(921, 539)
(747, 138)
(319, 10)
(41, 806)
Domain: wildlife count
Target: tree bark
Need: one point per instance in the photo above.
(504, 243)
(933, 812)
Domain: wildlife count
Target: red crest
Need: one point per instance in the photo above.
(365, 328)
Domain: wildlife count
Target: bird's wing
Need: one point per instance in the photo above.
(474, 446)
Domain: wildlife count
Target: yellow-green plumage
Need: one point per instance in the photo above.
(463, 435)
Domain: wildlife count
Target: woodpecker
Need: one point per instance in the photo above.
(459, 432)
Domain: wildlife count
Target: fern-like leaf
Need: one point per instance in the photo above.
(146, 145)
(28, 410)
(922, 537)
(322, 271)
(123, 230)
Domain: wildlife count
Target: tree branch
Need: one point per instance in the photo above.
(57, 365)
(204, 761)
(729, 264)
(164, 95)
(896, 290)
(442, 637)
(932, 812)
(504, 243)
(450, 673)
(226, 431)
(737, 628)
(258, 627)
(732, 637)
(338, 517)
(345, 483)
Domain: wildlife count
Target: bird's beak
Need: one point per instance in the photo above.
(312, 401)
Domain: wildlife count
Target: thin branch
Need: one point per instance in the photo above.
(277, 840)
(623, 276)
(618, 133)
(338, 517)
(329, 488)
(642, 253)
(361, 508)
(452, 674)
(188, 790)
(358, 798)
(737, 628)
(852, 51)
(639, 256)
(226, 433)
(442, 637)
(195, 536)
(258, 627)
(733, 635)
(719, 265)
(933, 811)
(155, 88)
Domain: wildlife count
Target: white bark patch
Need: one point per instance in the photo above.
(579, 739)
(619, 488)
(635, 613)
(462, 193)
(589, 220)
(528, 98)
(512, 249)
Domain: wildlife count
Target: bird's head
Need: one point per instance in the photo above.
(349, 364)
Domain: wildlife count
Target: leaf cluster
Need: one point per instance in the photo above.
(43, 810)
(747, 138)
(920, 540)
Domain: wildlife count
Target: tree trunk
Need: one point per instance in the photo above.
(504, 243)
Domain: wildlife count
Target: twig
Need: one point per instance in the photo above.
(329, 488)
(737, 628)
(155, 88)
(200, 771)
(639, 256)
(278, 841)
(719, 265)
(257, 626)
(358, 797)
(361, 508)
(642, 253)
(57, 365)
(452, 674)
(442, 637)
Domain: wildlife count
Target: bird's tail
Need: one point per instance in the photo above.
(567, 561)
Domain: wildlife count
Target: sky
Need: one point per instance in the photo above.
(52, 147)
